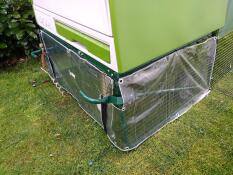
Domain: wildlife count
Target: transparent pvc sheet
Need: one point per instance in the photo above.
(48, 68)
(229, 21)
(160, 93)
(153, 96)
(73, 74)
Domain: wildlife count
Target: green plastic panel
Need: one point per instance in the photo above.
(229, 20)
(147, 29)
(94, 46)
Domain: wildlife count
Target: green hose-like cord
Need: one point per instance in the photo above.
(35, 54)
(104, 100)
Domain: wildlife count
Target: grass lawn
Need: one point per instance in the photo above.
(42, 132)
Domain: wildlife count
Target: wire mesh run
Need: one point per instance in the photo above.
(75, 74)
(224, 58)
(160, 93)
(153, 96)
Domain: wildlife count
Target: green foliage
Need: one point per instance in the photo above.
(18, 31)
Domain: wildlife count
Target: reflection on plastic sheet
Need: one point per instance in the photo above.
(153, 96)
(161, 92)
(73, 74)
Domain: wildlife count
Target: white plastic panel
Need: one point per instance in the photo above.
(93, 14)
(46, 19)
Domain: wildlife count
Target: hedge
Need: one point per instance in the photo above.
(18, 30)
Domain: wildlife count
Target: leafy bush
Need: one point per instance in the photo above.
(18, 33)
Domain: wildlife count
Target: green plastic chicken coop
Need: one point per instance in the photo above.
(132, 65)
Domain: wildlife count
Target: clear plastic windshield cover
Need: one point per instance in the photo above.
(73, 74)
(160, 93)
(153, 96)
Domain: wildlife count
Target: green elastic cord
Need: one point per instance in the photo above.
(105, 100)
(35, 54)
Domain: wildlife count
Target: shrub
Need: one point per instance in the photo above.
(18, 31)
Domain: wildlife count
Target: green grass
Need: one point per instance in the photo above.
(42, 132)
